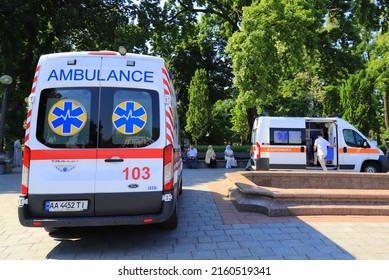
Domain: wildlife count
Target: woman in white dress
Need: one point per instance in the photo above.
(229, 157)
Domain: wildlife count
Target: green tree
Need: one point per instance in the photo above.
(198, 114)
(269, 57)
(220, 129)
(32, 28)
(359, 102)
(378, 71)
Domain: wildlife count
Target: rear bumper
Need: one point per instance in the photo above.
(262, 164)
(27, 220)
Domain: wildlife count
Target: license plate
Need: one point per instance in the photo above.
(66, 206)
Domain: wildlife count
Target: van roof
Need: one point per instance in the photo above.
(100, 53)
(316, 119)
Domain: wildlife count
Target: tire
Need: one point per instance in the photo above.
(172, 222)
(370, 167)
(180, 187)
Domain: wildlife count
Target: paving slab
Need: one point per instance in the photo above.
(210, 227)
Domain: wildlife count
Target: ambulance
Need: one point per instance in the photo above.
(101, 144)
(286, 143)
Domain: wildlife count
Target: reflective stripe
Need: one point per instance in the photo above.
(95, 154)
(268, 149)
(359, 151)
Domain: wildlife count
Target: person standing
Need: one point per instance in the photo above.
(18, 153)
(210, 157)
(320, 147)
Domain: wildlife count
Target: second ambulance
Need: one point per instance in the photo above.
(287, 143)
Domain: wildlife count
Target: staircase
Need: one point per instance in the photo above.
(290, 193)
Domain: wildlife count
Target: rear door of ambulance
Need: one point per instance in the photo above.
(287, 148)
(97, 150)
(62, 137)
(129, 177)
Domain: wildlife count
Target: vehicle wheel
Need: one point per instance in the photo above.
(180, 187)
(172, 222)
(370, 167)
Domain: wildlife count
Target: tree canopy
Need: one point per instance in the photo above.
(282, 57)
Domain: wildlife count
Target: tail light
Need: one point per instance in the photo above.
(257, 150)
(26, 169)
(168, 168)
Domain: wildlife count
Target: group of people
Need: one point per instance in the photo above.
(210, 157)
(320, 150)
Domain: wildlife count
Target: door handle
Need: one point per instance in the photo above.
(302, 149)
(114, 159)
(344, 149)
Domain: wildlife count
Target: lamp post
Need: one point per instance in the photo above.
(6, 81)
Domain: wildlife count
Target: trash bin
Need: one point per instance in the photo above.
(8, 166)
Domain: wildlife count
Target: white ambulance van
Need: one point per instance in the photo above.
(286, 143)
(102, 143)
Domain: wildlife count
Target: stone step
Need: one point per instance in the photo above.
(306, 200)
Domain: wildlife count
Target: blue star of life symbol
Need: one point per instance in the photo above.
(129, 117)
(283, 136)
(67, 117)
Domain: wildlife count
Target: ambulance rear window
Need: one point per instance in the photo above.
(287, 136)
(129, 118)
(66, 117)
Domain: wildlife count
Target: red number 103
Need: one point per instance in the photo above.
(136, 173)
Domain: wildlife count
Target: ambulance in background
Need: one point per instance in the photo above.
(101, 145)
(286, 143)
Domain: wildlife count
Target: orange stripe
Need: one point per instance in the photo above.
(280, 150)
(93, 154)
(359, 151)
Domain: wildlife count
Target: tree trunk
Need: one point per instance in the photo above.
(386, 113)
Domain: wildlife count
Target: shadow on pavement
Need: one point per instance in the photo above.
(201, 234)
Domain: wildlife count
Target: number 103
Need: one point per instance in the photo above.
(136, 173)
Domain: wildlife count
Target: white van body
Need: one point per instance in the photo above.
(102, 144)
(286, 143)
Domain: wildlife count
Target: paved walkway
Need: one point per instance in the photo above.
(209, 228)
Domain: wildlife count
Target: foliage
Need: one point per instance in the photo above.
(198, 113)
(222, 148)
(359, 102)
(282, 57)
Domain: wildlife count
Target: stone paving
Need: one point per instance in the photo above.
(209, 228)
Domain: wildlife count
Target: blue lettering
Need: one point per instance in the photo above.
(112, 75)
(122, 75)
(149, 77)
(64, 77)
(98, 76)
(134, 78)
(53, 75)
(90, 78)
(78, 74)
